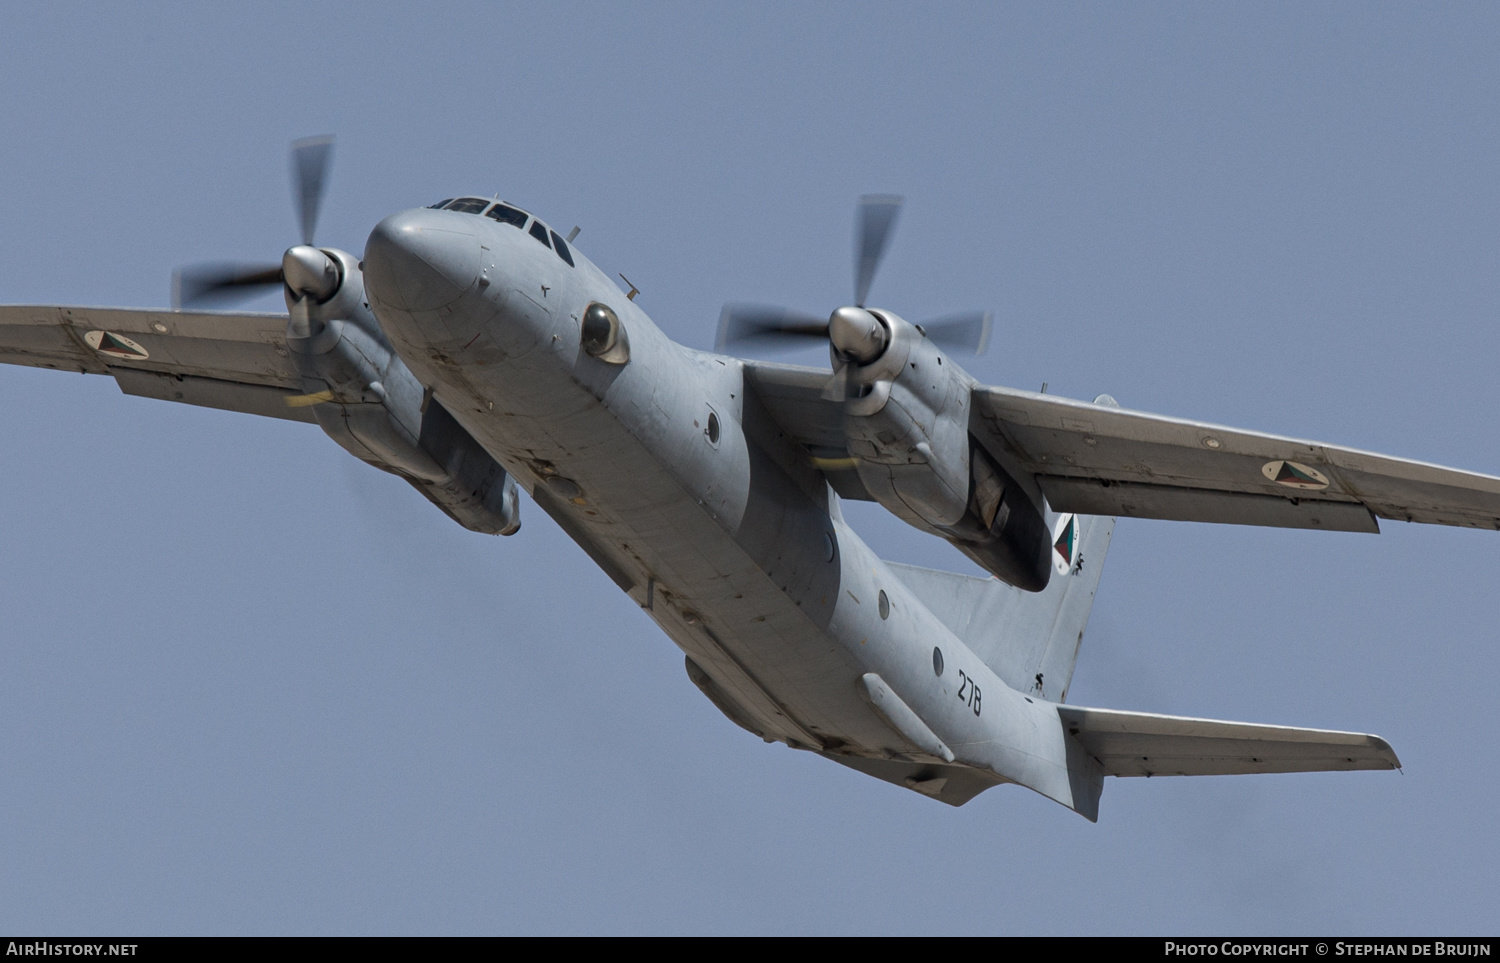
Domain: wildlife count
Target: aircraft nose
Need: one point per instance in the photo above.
(421, 260)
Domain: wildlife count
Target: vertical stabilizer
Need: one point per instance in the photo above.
(1029, 639)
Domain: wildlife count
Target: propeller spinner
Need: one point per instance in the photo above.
(304, 270)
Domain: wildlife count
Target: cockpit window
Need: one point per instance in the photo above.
(468, 205)
(507, 215)
(439, 204)
(539, 231)
(561, 247)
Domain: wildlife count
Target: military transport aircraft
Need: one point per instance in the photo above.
(474, 351)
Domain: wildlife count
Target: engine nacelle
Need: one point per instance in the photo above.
(366, 399)
(907, 427)
(907, 423)
(1004, 530)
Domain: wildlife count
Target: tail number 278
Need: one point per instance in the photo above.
(968, 692)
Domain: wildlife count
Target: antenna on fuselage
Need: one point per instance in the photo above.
(633, 289)
(573, 234)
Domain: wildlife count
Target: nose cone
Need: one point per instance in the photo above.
(421, 260)
(857, 334)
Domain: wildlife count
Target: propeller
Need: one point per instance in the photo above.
(304, 269)
(310, 159)
(967, 331)
(877, 218)
(856, 335)
(767, 325)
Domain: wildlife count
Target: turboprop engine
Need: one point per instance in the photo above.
(360, 391)
(906, 415)
(906, 418)
(367, 400)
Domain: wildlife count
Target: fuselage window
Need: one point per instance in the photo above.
(539, 231)
(468, 205)
(561, 247)
(439, 204)
(507, 215)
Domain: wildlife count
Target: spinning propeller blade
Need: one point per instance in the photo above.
(837, 388)
(219, 282)
(968, 332)
(877, 218)
(310, 158)
(740, 323)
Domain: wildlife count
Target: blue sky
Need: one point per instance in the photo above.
(249, 685)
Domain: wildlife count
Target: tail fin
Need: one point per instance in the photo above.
(1029, 639)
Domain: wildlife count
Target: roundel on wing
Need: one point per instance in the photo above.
(1294, 475)
(115, 345)
(1065, 544)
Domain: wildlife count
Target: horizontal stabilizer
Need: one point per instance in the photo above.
(1146, 744)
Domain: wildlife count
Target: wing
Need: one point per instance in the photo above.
(1099, 459)
(793, 396)
(237, 362)
(1146, 744)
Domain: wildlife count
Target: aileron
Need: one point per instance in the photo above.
(1087, 496)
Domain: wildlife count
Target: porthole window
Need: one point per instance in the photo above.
(937, 661)
(712, 431)
(828, 546)
(885, 605)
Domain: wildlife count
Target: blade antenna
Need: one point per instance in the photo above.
(876, 221)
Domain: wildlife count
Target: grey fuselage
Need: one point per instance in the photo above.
(673, 478)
